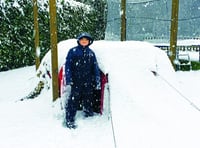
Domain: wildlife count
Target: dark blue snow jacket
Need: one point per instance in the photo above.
(81, 68)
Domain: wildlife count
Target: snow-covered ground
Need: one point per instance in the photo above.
(148, 111)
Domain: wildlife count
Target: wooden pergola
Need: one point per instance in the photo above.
(53, 37)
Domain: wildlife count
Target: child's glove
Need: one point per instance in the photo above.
(98, 87)
(65, 95)
(67, 89)
(66, 92)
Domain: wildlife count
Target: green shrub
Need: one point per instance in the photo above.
(195, 65)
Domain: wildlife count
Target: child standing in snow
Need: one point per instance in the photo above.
(82, 77)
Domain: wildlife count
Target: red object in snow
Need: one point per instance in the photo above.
(104, 80)
(60, 80)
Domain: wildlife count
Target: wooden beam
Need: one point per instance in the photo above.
(36, 34)
(54, 54)
(123, 20)
(174, 31)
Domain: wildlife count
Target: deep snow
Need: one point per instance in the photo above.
(147, 110)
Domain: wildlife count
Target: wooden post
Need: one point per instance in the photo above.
(123, 20)
(54, 54)
(174, 31)
(36, 34)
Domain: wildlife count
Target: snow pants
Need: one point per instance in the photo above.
(79, 98)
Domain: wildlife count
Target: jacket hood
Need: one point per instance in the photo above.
(85, 35)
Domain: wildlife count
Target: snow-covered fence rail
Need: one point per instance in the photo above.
(149, 38)
(181, 48)
(195, 48)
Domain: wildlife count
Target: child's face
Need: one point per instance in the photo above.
(84, 42)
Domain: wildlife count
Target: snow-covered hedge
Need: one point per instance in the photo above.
(16, 21)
